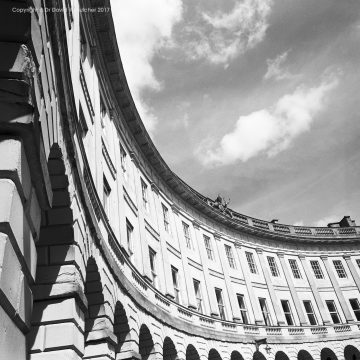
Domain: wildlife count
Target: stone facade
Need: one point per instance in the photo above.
(106, 254)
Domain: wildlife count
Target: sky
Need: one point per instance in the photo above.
(256, 100)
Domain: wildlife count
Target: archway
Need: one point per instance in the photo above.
(327, 354)
(280, 355)
(169, 350)
(235, 355)
(146, 343)
(351, 353)
(192, 353)
(214, 355)
(304, 355)
(121, 326)
(258, 356)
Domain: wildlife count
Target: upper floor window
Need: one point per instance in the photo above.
(152, 257)
(251, 261)
(230, 256)
(129, 236)
(144, 193)
(175, 280)
(208, 247)
(273, 267)
(243, 311)
(198, 296)
(123, 158)
(83, 124)
(356, 308)
(358, 262)
(310, 312)
(106, 196)
(339, 267)
(166, 218)
(333, 311)
(317, 269)
(287, 312)
(295, 268)
(219, 299)
(186, 230)
(265, 311)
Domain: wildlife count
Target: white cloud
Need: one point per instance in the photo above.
(219, 38)
(326, 220)
(269, 130)
(141, 28)
(275, 69)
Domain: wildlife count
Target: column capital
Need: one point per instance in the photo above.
(280, 255)
(347, 257)
(323, 257)
(134, 159)
(175, 209)
(301, 256)
(217, 236)
(196, 224)
(259, 251)
(154, 188)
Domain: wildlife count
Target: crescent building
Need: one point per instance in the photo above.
(105, 253)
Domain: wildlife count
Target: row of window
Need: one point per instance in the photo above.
(241, 301)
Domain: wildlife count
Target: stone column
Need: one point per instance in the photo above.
(294, 295)
(235, 311)
(348, 316)
(144, 246)
(253, 300)
(164, 261)
(190, 291)
(214, 310)
(353, 271)
(280, 317)
(309, 274)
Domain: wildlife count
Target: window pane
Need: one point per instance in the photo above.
(317, 269)
(273, 267)
(251, 262)
(295, 269)
(340, 269)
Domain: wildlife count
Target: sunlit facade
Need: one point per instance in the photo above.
(106, 254)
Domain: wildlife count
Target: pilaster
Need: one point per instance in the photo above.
(253, 300)
(309, 274)
(294, 295)
(353, 271)
(348, 316)
(190, 291)
(214, 310)
(235, 311)
(274, 299)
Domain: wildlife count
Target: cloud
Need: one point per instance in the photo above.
(141, 28)
(220, 37)
(299, 223)
(327, 219)
(275, 69)
(269, 130)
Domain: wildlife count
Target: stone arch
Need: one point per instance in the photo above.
(169, 349)
(280, 355)
(351, 353)
(327, 354)
(304, 355)
(59, 284)
(99, 336)
(258, 355)
(192, 353)
(235, 355)
(121, 326)
(146, 342)
(214, 355)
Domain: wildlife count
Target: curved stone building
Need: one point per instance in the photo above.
(106, 254)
